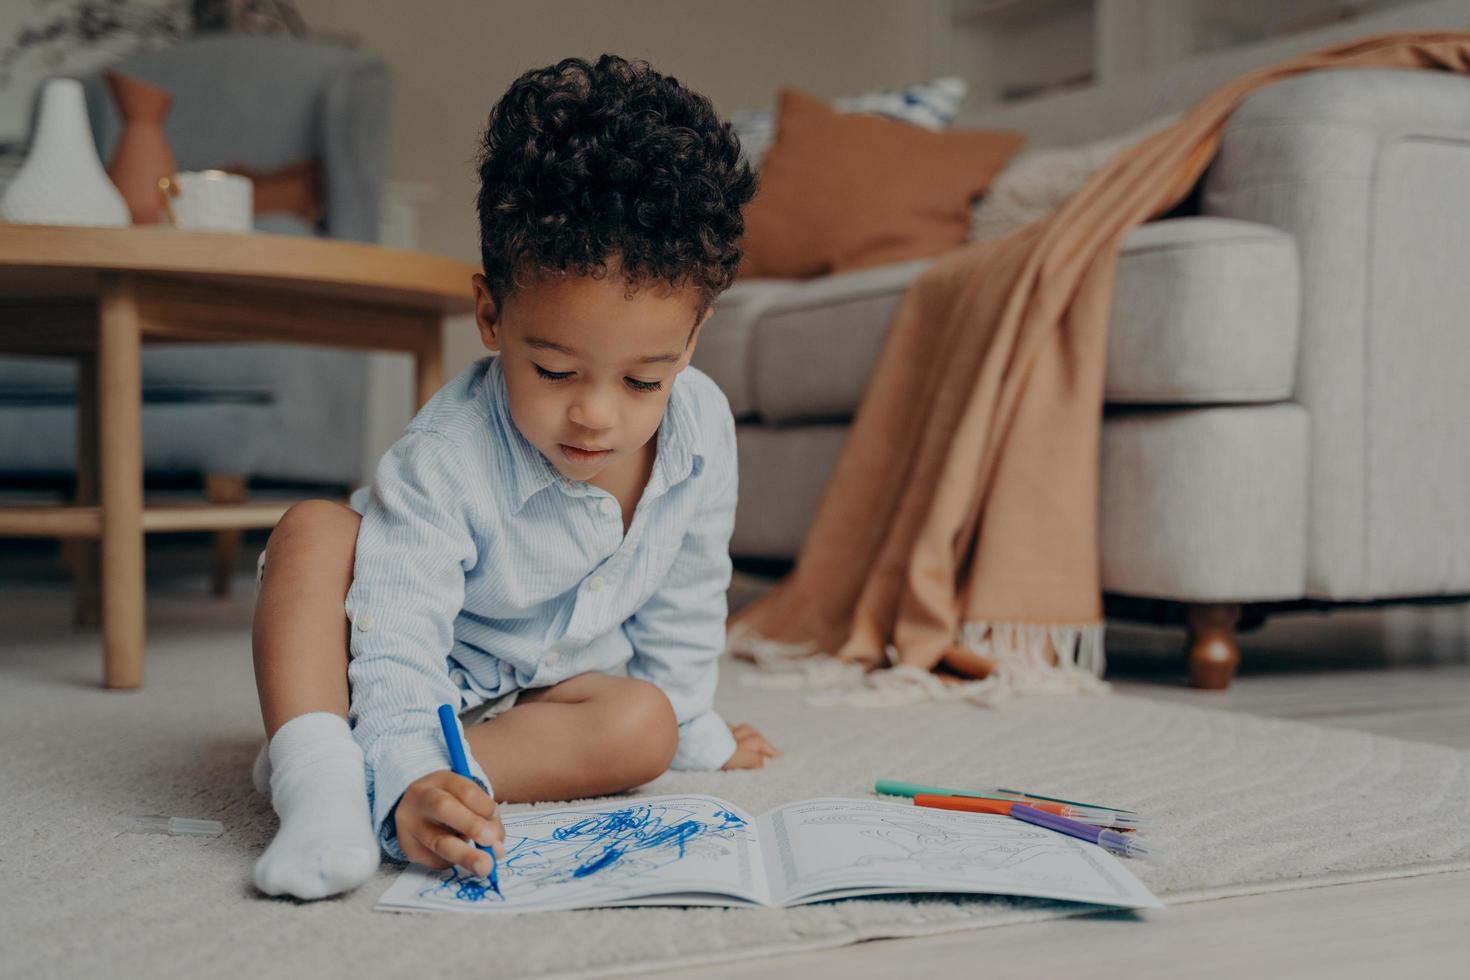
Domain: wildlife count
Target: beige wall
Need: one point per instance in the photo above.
(452, 59)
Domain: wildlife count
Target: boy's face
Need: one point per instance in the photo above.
(588, 370)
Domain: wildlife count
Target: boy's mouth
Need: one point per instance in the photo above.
(577, 454)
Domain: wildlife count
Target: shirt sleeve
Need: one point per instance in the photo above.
(679, 633)
(413, 549)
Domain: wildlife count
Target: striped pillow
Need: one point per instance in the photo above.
(932, 106)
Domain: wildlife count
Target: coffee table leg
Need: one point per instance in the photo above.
(120, 441)
(428, 362)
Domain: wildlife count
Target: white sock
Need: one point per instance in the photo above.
(260, 773)
(325, 844)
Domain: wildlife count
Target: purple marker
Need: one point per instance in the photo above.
(1124, 844)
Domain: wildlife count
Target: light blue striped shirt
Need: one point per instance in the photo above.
(481, 570)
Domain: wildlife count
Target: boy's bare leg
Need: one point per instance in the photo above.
(587, 736)
(299, 635)
(314, 769)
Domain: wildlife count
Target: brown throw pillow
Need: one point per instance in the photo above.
(841, 191)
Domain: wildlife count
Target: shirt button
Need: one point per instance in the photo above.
(365, 622)
(597, 583)
(552, 658)
(608, 506)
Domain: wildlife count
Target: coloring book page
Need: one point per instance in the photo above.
(822, 849)
(658, 850)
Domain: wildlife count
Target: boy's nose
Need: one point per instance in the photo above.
(591, 413)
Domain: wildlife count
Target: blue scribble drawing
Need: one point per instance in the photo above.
(597, 846)
(467, 888)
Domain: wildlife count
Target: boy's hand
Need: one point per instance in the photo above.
(751, 749)
(435, 815)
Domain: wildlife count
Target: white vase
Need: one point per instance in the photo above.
(62, 181)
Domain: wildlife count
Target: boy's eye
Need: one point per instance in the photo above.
(633, 383)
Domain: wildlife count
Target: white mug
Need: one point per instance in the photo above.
(208, 200)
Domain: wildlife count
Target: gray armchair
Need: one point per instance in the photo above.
(266, 103)
(229, 413)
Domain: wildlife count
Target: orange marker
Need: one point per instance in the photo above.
(973, 804)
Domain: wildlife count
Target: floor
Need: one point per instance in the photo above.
(1396, 673)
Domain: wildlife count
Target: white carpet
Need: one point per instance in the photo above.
(1241, 804)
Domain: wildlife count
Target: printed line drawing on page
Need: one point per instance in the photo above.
(914, 841)
(828, 846)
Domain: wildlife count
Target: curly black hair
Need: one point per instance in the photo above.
(582, 163)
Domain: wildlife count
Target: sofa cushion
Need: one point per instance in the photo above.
(1198, 504)
(760, 319)
(1205, 311)
(1038, 180)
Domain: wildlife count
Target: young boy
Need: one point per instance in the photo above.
(546, 547)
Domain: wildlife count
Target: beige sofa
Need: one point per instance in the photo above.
(1286, 421)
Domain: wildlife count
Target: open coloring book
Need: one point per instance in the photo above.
(698, 850)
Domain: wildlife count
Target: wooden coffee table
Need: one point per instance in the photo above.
(98, 294)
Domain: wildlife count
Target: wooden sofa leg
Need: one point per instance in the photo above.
(225, 488)
(1213, 655)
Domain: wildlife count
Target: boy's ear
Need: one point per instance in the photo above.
(487, 317)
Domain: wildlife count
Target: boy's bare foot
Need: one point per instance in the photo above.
(751, 749)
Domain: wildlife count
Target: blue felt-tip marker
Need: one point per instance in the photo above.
(461, 767)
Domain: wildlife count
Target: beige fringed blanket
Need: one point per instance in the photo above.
(959, 525)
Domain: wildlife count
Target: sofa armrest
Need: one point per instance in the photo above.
(1369, 170)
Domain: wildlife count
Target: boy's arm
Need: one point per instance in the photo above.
(413, 549)
(679, 633)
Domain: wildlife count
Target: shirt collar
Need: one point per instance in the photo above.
(529, 471)
(678, 456)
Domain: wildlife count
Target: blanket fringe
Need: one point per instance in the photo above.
(1019, 651)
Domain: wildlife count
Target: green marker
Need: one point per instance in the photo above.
(894, 787)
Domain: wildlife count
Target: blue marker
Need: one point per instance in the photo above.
(461, 767)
